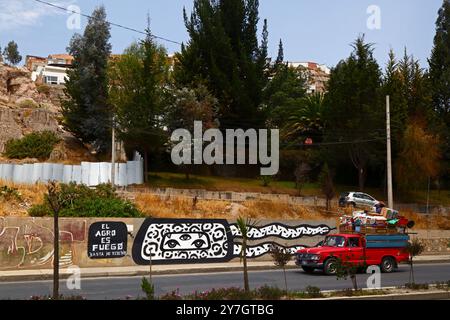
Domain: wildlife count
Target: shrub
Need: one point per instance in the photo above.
(313, 292)
(82, 201)
(7, 193)
(174, 295)
(61, 297)
(39, 210)
(417, 286)
(148, 288)
(34, 145)
(269, 293)
(28, 103)
(232, 293)
(43, 88)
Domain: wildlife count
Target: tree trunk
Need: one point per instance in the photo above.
(355, 284)
(244, 257)
(145, 166)
(361, 178)
(412, 272)
(285, 280)
(55, 256)
(328, 204)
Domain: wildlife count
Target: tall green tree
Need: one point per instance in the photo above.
(439, 73)
(394, 86)
(87, 112)
(283, 95)
(189, 105)
(223, 52)
(139, 79)
(415, 87)
(11, 53)
(354, 113)
(280, 56)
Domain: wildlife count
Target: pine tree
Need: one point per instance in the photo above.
(280, 56)
(138, 81)
(439, 74)
(224, 54)
(354, 110)
(393, 85)
(11, 53)
(87, 113)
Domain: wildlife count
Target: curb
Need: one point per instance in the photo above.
(49, 276)
(62, 276)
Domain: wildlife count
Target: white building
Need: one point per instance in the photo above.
(50, 74)
(51, 70)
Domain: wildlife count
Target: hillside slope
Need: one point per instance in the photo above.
(26, 107)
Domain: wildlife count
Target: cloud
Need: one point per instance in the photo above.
(22, 13)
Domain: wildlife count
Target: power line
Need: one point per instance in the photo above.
(110, 23)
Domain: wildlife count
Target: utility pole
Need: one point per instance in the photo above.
(389, 156)
(113, 153)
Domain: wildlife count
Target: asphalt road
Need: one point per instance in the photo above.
(123, 287)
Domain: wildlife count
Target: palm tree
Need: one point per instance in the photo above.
(244, 226)
(306, 120)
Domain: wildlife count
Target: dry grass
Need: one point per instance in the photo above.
(435, 221)
(180, 207)
(281, 210)
(29, 194)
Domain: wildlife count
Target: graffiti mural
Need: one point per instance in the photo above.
(282, 231)
(163, 241)
(262, 249)
(29, 244)
(182, 240)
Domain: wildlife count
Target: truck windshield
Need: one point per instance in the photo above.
(334, 241)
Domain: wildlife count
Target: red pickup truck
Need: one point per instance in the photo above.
(386, 251)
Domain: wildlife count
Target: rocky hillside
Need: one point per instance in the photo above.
(26, 107)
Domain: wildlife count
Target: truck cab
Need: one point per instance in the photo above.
(386, 251)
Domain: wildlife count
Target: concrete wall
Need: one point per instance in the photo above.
(232, 196)
(435, 241)
(27, 243)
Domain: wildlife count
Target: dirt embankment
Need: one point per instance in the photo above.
(26, 107)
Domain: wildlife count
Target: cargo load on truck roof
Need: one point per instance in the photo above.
(386, 221)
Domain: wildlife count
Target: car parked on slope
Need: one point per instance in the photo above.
(357, 199)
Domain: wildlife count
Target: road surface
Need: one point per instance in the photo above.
(123, 287)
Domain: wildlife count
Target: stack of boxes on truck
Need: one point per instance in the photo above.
(387, 221)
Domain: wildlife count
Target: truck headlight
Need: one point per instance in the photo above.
(315, 257)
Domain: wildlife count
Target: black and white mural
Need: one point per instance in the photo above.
(183, 241)
(282, 231)
(165, 241)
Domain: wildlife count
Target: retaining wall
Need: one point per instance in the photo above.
(27, 243)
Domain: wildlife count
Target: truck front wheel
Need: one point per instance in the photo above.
(330, 267)
(387, 264)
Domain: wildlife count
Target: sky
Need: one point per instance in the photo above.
(312, 30)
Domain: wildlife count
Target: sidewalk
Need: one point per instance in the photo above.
(46, 274)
